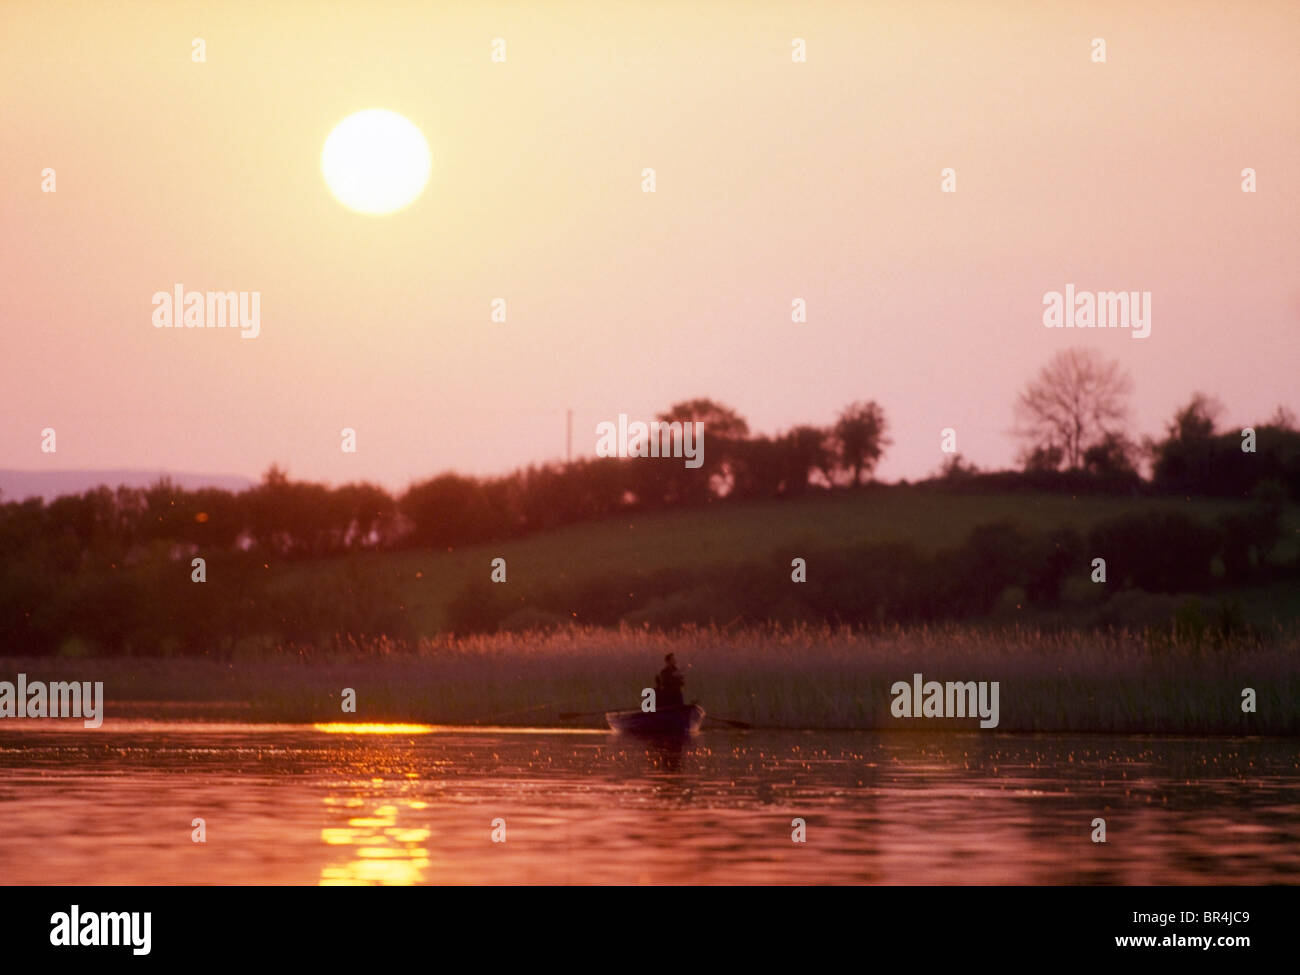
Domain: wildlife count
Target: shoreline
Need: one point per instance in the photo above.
(775, 679)
(142, 723)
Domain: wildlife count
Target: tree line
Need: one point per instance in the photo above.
(289, 518)
(1070, 418)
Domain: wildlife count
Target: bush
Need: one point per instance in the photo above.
(1161, 552)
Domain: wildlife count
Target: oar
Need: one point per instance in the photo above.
(742, 725)
(732, 722)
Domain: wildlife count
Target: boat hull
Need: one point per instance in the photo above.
(679, 722)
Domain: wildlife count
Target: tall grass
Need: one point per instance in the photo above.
(778, 677)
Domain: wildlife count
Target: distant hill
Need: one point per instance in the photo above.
(20, 485)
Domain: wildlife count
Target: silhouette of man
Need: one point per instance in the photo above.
(668, 685)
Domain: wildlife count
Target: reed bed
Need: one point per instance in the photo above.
(800, 677)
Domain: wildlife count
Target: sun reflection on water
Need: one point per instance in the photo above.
(379, 728)
(382, 851)
(373, 728)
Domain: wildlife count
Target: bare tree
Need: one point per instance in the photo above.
(1075, 402)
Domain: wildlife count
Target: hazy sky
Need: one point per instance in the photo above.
(775, 180)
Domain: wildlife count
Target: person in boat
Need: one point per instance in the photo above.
(668, 685)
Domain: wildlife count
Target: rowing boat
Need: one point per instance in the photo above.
(676, 722)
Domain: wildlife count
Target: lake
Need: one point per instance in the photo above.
(330, 804)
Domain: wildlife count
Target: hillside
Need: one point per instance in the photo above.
(885, 555)
(722, 535)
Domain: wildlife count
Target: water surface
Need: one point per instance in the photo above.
(286, 804)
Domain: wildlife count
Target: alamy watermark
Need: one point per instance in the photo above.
(130, 929)
(179, 308)
(60, 699)
(1104, 309)
(654, 439)
(952, 699)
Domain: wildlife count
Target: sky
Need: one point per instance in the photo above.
(774, 180)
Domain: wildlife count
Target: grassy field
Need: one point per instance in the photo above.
(802, 677)
(721, 534)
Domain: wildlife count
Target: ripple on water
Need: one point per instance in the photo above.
(417, 804)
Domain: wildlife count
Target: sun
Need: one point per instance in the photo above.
(376, 161)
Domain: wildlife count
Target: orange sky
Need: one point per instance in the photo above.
(775, 180)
